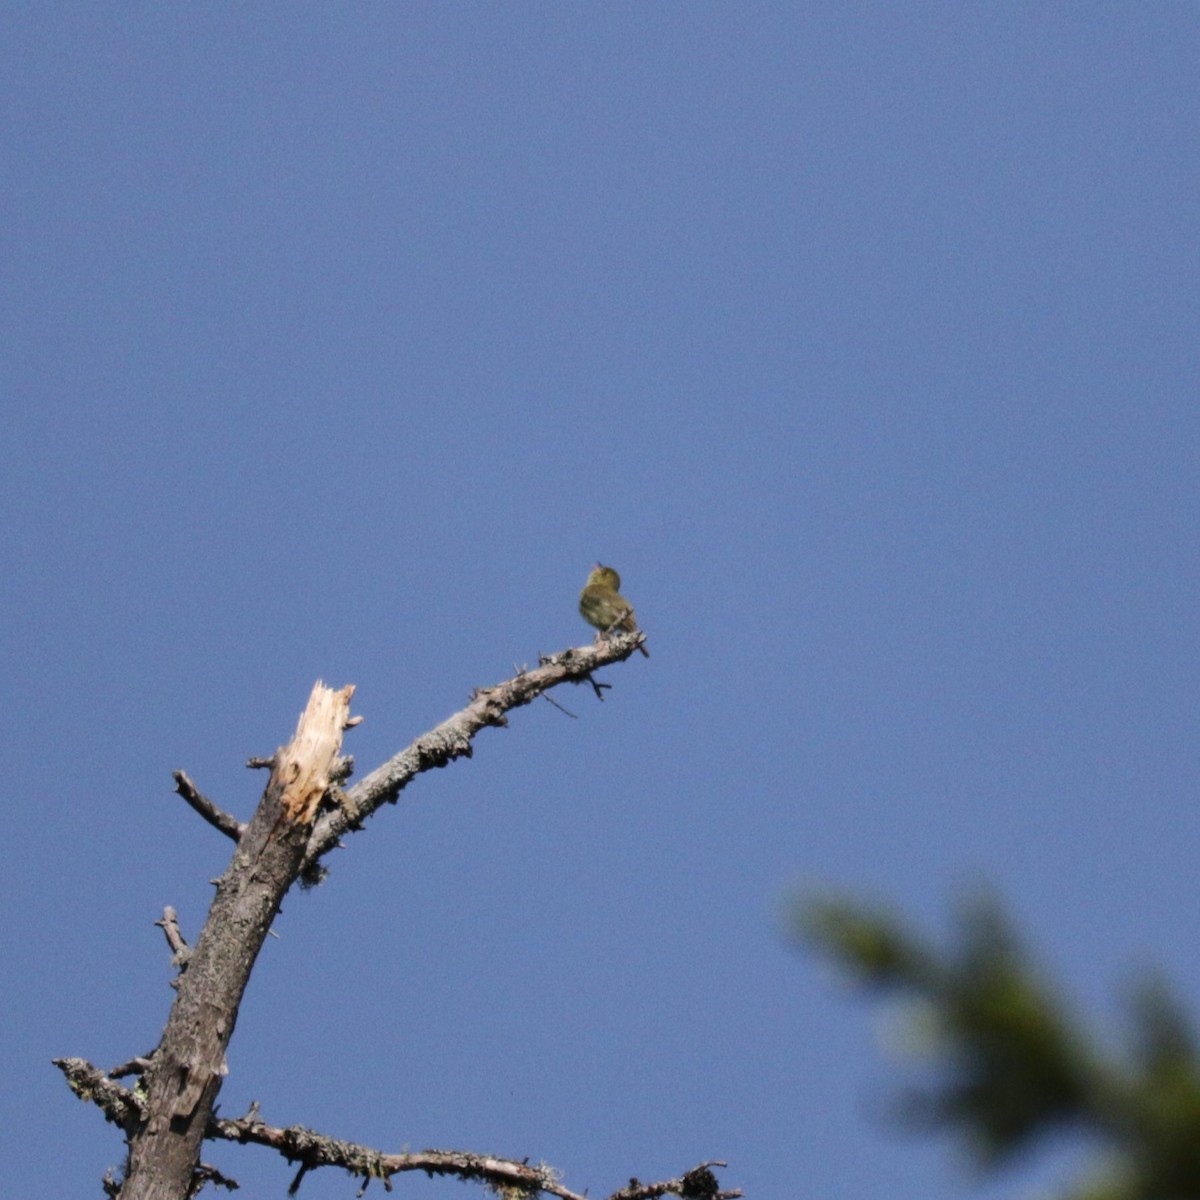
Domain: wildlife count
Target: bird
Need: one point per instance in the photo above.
(602, 605)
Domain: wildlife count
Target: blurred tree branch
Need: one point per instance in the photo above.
(1011, 1064)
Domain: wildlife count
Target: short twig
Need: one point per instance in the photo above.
(205, 1173)
(135, 1066)
(551, 700)
(230, 826)
(169, 924)
(294, 1186)
(180, 950)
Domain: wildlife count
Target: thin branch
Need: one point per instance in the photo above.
(567, 711)
(452, 738)
(546, 696)
(218, 818)
(313, 1150)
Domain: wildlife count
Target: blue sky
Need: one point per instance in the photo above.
(340, 341)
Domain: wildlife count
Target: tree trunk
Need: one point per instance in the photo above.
(187, 1069)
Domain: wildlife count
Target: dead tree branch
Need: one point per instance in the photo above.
(452, 738)
(118, 1104)
(217, 817)
(303, 813)
(313, 1150)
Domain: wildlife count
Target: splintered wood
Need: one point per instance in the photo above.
(303, 766)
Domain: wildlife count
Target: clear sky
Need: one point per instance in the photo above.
(339, 341)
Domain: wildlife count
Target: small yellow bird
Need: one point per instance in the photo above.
(602, 605)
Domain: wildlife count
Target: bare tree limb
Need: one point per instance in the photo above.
(118, 1104)
(452, 738)
(218, 818)
(312, 1150)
